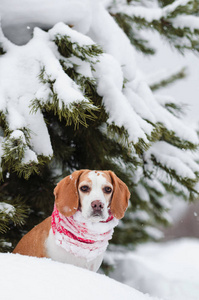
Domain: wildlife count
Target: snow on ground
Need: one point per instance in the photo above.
(167, 270)
(31, 278)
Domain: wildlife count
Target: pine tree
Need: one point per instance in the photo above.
(74, 101)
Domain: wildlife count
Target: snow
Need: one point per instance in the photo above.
(20, 70)
(21, 66)
(7, 208)
(110, 87)
(148, 13)
(105, 32)
(142, 192)
(140, 215)
(73, 35)
(185, 21)
(24, 277)
(24, 18)
(153, 232)
(167, 270)
(163, 65)
(162, 270)
(142, 12)
(174, 159)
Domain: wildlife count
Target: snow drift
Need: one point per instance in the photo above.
(167, 270)
(24, 277)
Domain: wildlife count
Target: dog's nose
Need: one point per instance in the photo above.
(97, 206)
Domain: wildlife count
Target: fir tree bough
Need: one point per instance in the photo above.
(78, 104)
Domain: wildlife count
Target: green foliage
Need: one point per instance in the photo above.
(82, 138)
(14, 148)
(142, 45)
(2, 51)
(74, 113)
(189, 183)
(171, 79)
(181, 38)
(12, 211)
(67, 48)
(170, 137)
(15, 212)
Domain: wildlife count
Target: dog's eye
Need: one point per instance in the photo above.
(107, 189)
(85, 188)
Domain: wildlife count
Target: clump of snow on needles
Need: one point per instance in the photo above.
(24, 277)
(173, 158)
(20, 69)
(93, 24)
(151, 12)
(7, 208)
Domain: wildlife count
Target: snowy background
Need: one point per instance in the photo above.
(167, 270)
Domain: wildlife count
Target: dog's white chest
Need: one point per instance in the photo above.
(57, 253)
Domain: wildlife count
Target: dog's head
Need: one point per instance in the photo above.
(94, 193)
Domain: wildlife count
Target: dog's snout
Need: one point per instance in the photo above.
(97, 205)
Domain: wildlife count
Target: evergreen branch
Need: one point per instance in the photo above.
(67, 48)
(5, 246)
(152, 207)
(2, 51)
(88, 85)
(15, 213)
(73, 113)
(1, 173)
(190, 8)
(174, 109)
(141, 146)
(14, 149)
(119, 134)
(3, 121)
(173, 189)
(184, 181)
(166, 81)
(181, 38)
(77, 112)
(28, 169)
(125, 22)
(44, 78)
(171, 137)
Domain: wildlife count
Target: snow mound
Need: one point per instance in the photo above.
(24, 277)
(167, 270)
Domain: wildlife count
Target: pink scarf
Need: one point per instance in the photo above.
(80, 236)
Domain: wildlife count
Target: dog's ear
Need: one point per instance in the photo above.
(120, 197)
(66, 194)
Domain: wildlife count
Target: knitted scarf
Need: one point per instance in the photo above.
(80, 236)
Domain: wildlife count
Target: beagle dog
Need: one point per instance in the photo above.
(88, 205)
